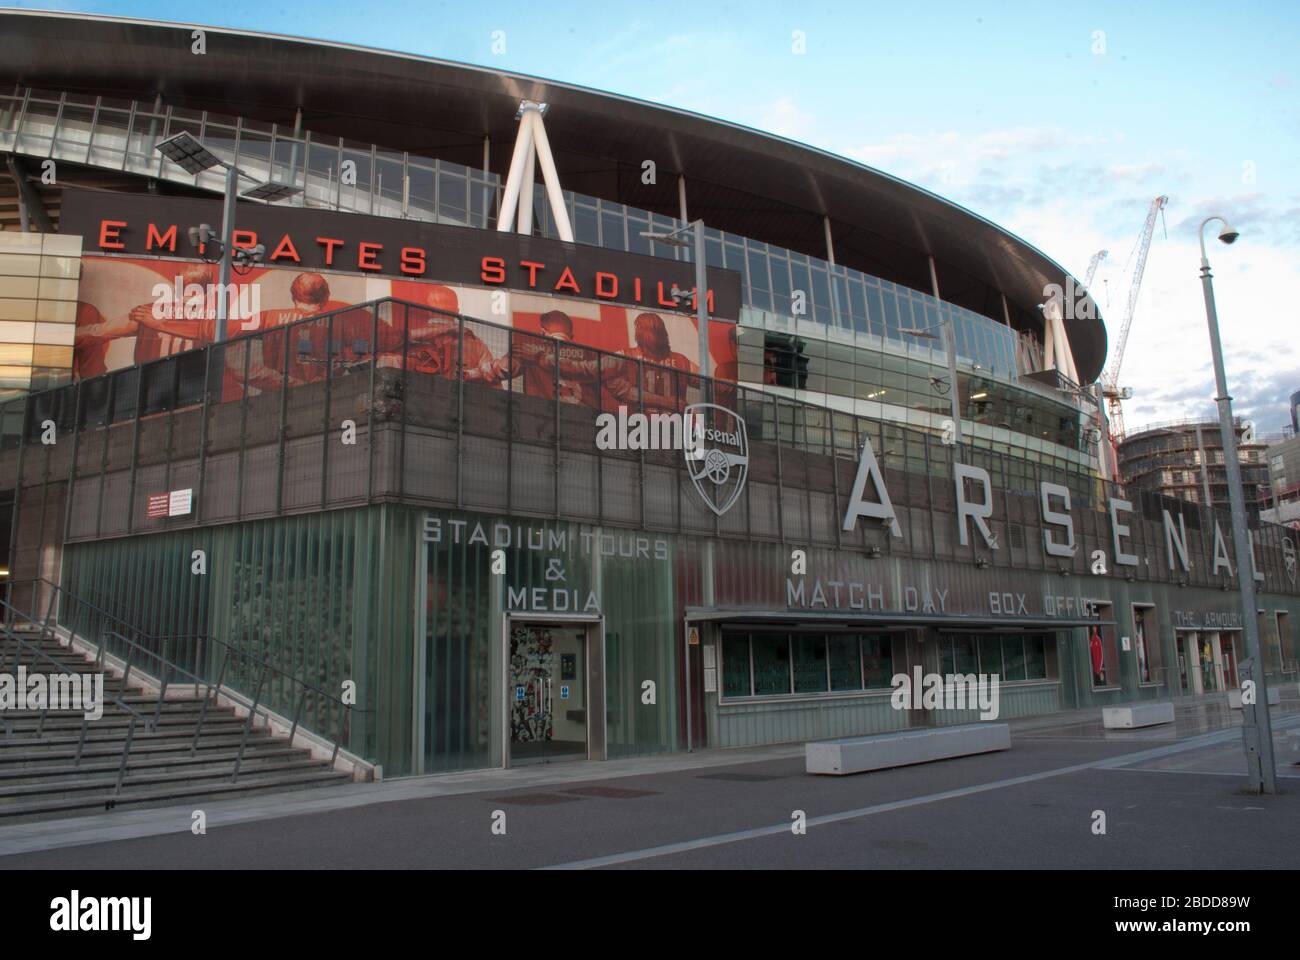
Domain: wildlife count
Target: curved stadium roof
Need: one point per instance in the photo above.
(738, 179)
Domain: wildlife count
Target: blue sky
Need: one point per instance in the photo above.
(1059, 121)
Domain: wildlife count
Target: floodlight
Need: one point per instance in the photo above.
(271, 191)
(188, 153)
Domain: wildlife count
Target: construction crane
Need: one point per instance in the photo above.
(1097, 258)
(1110, 388)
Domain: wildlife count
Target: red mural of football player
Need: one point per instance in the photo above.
(573, 380)
(310, 295)
(726, 373)
(728, 369)
(434, 340)
(662, 390)
(95, 333)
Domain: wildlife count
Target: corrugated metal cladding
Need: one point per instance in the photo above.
(370, 560)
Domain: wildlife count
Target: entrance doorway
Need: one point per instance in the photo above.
(1228, 643)
(555, 691)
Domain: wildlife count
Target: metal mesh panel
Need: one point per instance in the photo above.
(456, 411)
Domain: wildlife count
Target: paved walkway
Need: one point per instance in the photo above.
(1204, 740)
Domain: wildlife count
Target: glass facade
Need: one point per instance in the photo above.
(850, 324)
(38, 310)
(311, 595)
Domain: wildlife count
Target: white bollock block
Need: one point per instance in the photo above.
(859, 754)
(1137, 715)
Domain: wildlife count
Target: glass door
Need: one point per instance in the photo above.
(1229, 660)
(547, 689)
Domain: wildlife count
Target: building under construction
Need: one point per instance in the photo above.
(1184, 459)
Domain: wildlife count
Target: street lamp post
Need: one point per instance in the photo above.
(1256, 728)
(673, 238)
(187, 152)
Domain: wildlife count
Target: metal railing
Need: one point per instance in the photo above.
(198, 651)
(12, 613)
(80, 128)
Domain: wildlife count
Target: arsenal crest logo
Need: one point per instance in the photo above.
(717, 454)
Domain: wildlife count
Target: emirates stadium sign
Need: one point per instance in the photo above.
(145, 225)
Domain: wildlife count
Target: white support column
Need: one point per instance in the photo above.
(531, 148)
(526, 192)
(558, 210)
(681, 198)
(830, 249)
(1049, 335)
(515, 176)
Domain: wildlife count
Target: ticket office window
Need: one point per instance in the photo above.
(1146, 645)
(1103, 651)
(1010, 657)
(763, 664)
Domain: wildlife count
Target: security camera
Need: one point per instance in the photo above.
(193, 234)
(1227, 234)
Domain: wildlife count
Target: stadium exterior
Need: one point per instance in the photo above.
(413, 461)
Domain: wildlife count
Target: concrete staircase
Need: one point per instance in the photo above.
(41, 778)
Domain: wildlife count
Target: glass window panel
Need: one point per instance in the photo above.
(735, 665)
(482, 197)
(990, 649)
(821, 296)
(771, 663)
(1013, 657)
(891, 314)
(877, 661)
(611, 230)
(584, 225)
(780, 268)
(453, 194)
(637, 225)
(966, 657)
(323, 170)
(846, 665)
(757, 274)
(388, 180)
(713, 255)
(809, 663)
(1036, 657)
(800, 281)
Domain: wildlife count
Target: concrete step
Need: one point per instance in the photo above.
(167, 795)
(38, 752)
(44, 775)
(141, 704)
(117, 723)
(206, 762)
(62, 788)
(177, 734)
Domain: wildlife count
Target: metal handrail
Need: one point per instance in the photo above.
(213, 691)
(135, 715)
